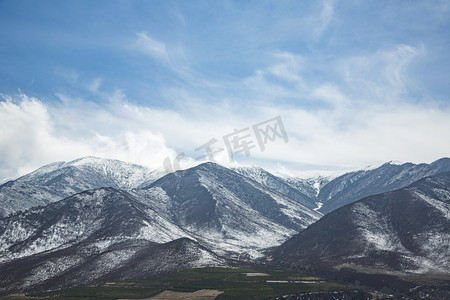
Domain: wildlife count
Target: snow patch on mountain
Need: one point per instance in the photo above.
(161, 231)
(375, 228)
(247, 230)
(443, 207)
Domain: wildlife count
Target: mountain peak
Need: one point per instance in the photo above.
(88, 160)
(395, 163)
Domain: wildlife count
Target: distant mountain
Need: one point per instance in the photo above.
(356, 185)
(91, 172)
(62, 179)
(327, 193)
(406, 231)
(301, 190)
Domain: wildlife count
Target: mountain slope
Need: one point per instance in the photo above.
(227, 211)
(56, 181)
(16, 196)
(85, 263)
(96, 235)
(101, 216)
(356, 185)
(399, 232)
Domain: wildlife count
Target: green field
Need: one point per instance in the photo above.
(232, 281)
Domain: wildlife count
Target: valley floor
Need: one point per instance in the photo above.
(232, 284)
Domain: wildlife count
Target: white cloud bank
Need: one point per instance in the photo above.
(33, 134)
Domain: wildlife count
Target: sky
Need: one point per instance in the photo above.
(327, 85)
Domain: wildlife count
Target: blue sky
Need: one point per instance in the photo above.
(355, 82)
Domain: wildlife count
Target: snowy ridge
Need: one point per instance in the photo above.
(301, 190)
(123, 175)
(59, 180)
(441, 206)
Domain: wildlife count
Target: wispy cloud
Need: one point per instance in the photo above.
(94, 86)
(151, 47)
(397, 62)
(383, 73)
(319, 22)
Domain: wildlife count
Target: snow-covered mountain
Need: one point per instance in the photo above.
(228, 212)
(326, 192)
(356, 185)
(62, 179)
(91, 172)
(406, 231)
(16, 196)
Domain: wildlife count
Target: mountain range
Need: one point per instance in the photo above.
(92, 220)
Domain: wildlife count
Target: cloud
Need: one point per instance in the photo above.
(318, 23)
(151, 47)
(34, 134)
(27, 138)
(94, 86)
(397, 62)
(325, 15)
(332, 123)
(367, 118)
(342, 135)
(289, 68)
(383, 73)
